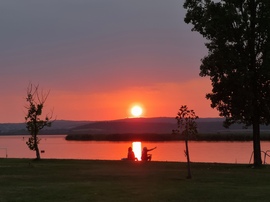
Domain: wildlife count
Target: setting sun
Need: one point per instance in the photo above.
(136, 111)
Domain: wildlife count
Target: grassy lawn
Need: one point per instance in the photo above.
(83, 180)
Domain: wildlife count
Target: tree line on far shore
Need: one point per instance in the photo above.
(165, 137)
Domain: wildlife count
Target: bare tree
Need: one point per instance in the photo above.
(34, 123)
(186, 126)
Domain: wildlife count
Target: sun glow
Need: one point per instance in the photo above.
(136, 111)
(137, 149)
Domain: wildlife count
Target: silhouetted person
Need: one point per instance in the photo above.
(131, 155)
(145, 156)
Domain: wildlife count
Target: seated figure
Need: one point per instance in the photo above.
(131, 155)
(145, 156)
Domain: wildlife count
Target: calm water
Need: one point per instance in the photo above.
(58, 148)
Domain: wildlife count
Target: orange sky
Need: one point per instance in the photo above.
(161, 100)
(98, 58)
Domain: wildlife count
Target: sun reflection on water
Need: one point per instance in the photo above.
(137, 149)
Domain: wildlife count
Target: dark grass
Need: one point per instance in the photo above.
(89, 180)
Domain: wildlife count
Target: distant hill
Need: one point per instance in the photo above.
(157, 125)
(58, 127)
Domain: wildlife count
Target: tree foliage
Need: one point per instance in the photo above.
(186, 124)
(34, 123)
(238, 61)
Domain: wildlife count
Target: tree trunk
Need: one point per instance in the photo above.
(37, 154)
(188, 161)
(36, 148)
(257, 144)
(252, 66)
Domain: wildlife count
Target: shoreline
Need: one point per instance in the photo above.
(152, 137)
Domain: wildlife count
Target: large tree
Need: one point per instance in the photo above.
(237, 34)
(34, 122)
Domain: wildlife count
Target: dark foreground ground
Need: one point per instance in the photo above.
(88, 180)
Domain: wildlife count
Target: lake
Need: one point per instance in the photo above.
(56, 147)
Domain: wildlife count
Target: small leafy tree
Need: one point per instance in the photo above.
(34, 123)
(186, 126)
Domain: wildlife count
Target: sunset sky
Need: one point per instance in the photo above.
(100, 57)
